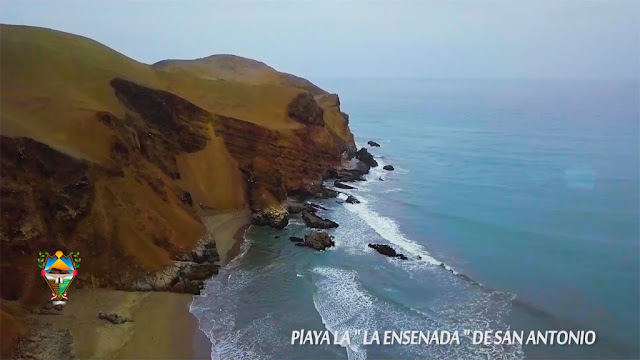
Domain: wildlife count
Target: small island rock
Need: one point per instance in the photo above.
(366, 157)
(387, 251)
(340, 185)
(352, 200)
(318, 240)
(314, 221)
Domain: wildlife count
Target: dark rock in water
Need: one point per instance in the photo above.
(366, 157)
(318, 240)
(361, 167)
(314, 221)
(380, 178)
(373, 143)
(418, 257)
(384, 249)
(113, 318)
(296, 239)
(352, 200)
(387, 251)
(340, 185)
(388, 167)
(277, 236)
(313, 206)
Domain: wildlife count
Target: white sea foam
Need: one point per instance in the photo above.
(214, 318)
(343, 305)
(393, 190)
(388, 229)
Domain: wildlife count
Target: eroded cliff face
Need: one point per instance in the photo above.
(140, 208)
(116, 159)
(128, 161)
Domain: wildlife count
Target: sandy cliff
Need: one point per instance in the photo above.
(116, 159)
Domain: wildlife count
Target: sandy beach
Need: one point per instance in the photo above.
(227, 229)
(160, 325)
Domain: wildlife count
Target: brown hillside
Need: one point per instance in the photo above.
(114, 158)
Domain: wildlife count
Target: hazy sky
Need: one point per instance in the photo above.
(532, 39)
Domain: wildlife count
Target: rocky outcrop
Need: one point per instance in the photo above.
(295, 207)
(186, 274)
(387, 251)
(388, 167)
(317, 191)
(318, 240)
(340, 185)
(366, 157)
(314, 221)
(352, 200)
(373, 143)
(273, 217)
(350, 175)
(311, 207)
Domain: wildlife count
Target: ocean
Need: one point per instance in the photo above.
(528, 191)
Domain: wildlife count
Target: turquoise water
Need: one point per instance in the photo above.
(530, 188)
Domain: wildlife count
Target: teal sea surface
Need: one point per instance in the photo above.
(528, 191)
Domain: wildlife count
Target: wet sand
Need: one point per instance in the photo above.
(162, 327)
(227, 229)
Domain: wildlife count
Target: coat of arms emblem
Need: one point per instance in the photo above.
(59, 270)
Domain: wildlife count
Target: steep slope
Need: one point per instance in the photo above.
(115, 159)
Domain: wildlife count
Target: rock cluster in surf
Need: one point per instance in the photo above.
(318, 240)
(388, 251)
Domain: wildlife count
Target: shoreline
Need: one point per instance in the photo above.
(239, 239)
(161, 326)
(227, 230)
